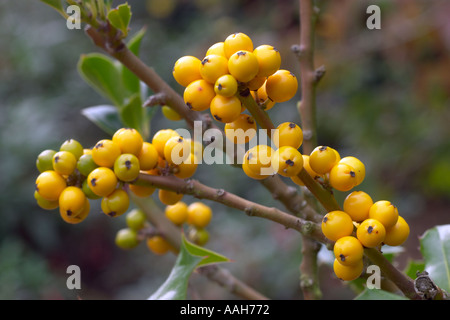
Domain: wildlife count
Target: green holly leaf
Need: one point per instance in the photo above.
(57, 5)
(99, 71)
(190, 257)
(435, 249)
(120, 17)
(106, 117)
(378, 294)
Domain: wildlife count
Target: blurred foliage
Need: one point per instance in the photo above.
(384, 99)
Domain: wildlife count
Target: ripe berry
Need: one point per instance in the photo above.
(198, 95)
(213, 67)
(187, 168)
(225, 109)
(288, 134)
(44, 203)
(72, 146)
(168, 197)
(158, 245)
(141, 191)
(199, 215)
(159, 140)
(136, 219)
(348, 273)
(187, 70)
(357, 165)
(243, 65)
(257, 162)
(262, 98)
(170, 113)
(86, 164)
(235, 42)
(337, 224)
(148, 157)
(226, 85)
(71, 201)
(348, 250)
(177, 150)
(287, 161)
(64, 162)
(105, 153)
(397, 234)
(116, 203)
(371, 233)
(129, 140)
(308, 169)
(241, 130)
(126, 167)
(216, 48)
(127, 238)
(177, 213)
(385, 212)
(342, 177)
(50, 184)
(102, 181)
(269, 60)
(281, 86)
(357, 205)
(322, 159)
(44, 160)
(78, 218)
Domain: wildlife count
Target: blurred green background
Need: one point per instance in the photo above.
(384, 99)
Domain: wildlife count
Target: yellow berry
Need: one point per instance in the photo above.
(78, 218)
(148, 157)
(217, 48)
(187, 70)
(71, 201)
(337, 224)
(342, 177)
(160, 138)
(105, 153)
(288, 134)
(385, 212)
(198, 95)
(187, 168)
(287, 161)
(371, 233)
(102, 181)
(177, 150)
(226, 85)
(348, 273)
(281, 86)
(199, 214)
(225, 109)
(243, 65)
(269, 60)
(177, 213)
(241, 130)
(213, 67)
(322, 159)
(257, 162)
(50, 184)
(348, 250)
(235, 42)
(168, 197)
(357, 205)
(44, 203)
(170, 113)
(129, 140)
(116, 203)
(158, 245)
(64, 162)
(357, 165)
(397, 234)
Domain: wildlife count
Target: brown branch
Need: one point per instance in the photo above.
(201, 191)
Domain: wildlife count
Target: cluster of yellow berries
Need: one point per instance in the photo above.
(363, 223)
(72, 175)
(212, 83)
